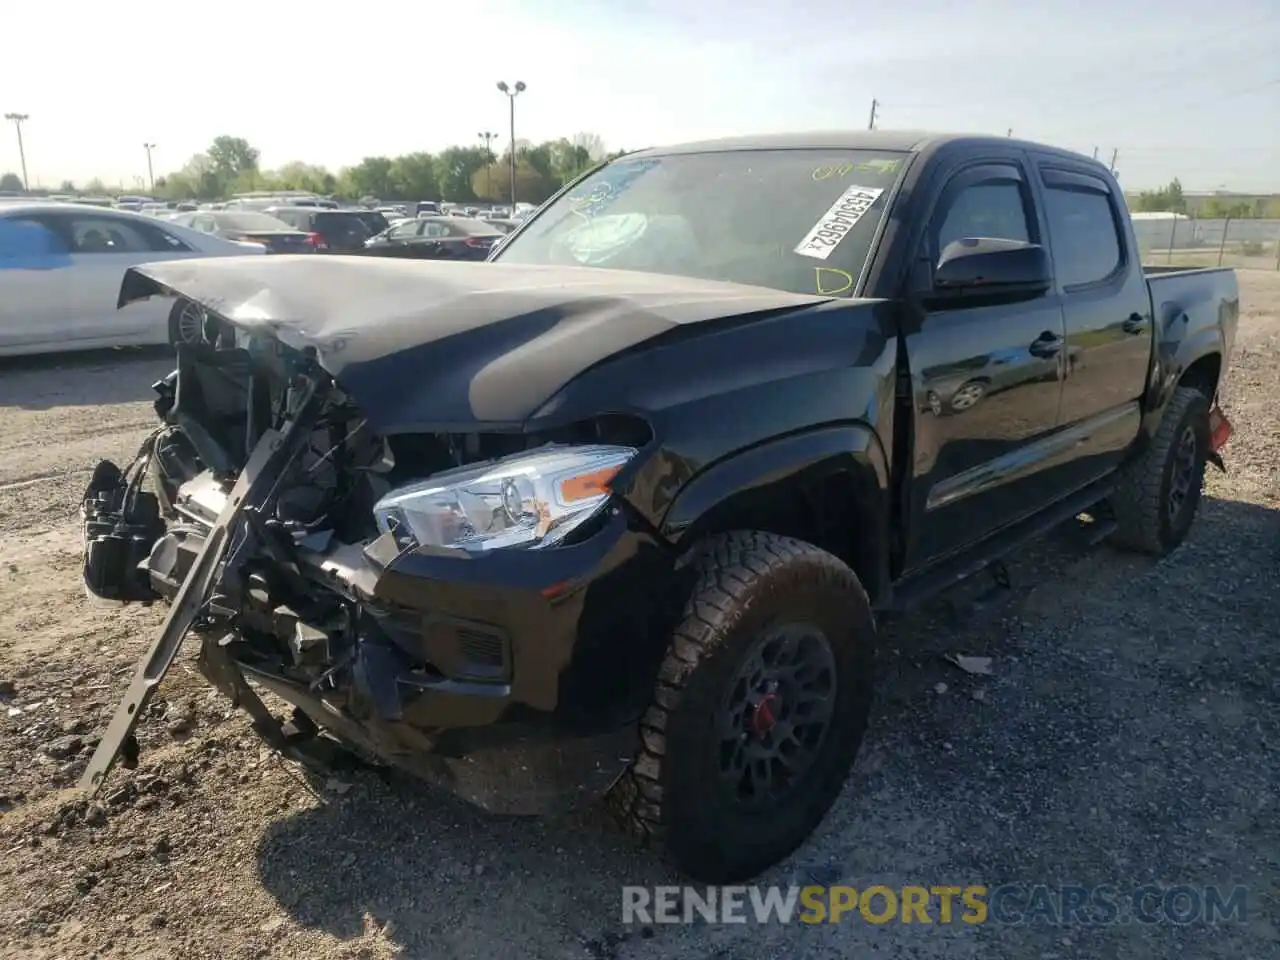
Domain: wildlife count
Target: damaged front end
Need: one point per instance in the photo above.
(475, 608)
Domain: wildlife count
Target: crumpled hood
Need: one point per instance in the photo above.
(437, 345)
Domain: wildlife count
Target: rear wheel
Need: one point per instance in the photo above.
(1156, 501)
(759, 710)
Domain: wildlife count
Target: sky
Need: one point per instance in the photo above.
(1174, 88)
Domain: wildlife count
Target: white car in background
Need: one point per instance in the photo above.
(61, 266)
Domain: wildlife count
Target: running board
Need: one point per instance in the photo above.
(946, 573)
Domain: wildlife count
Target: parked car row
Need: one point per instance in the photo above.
(436, 238)
(291, 229)
(61, 264)
(62, 260)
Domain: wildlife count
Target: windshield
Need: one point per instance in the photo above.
(795, 220)
(250, 221)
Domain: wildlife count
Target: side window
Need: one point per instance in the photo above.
(113, 235)
(161, 240)
(435, 230)
(405, 230)
(22, 238)
(991, 209)
(204, 224)
(1085, 233)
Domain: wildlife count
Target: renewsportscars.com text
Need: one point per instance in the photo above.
(1007, 904)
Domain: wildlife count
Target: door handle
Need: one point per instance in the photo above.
(1134, 324)
(1046, 345)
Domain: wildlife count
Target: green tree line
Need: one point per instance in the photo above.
(1171, 199)
(470, 173)
(231, 165)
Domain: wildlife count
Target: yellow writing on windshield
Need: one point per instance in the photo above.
(832, 281)
(834, 171)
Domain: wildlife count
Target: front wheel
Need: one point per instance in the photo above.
(1158, 494)
(759, 710)
(187, 322)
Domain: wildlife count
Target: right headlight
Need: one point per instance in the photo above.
(527, 500)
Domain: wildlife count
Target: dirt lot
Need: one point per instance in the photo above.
(1130, 734)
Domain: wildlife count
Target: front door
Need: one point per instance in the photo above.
(35, 277)
(986, 379)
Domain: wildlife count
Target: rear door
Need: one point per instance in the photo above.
(1107, 309)
(35, 282)
(429, 244)
(103, 247)
(986, 381)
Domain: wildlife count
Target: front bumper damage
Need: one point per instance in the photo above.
(508, 679)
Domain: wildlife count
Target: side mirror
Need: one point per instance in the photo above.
(980, 266)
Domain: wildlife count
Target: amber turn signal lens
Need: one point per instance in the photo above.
(587, 485)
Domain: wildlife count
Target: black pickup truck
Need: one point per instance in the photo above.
(617, 510)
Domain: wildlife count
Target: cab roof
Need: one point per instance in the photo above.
(904, 141)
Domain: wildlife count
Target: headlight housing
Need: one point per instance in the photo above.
(527, 500)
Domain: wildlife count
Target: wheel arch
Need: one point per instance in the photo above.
(828, 487)
(1193, 361)
(1204, 373)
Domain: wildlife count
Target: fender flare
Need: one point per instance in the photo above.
(851, 449)
(1181, 346)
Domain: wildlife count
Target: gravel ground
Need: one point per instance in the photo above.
(1127, 735)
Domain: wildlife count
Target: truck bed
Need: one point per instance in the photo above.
(1207, 296)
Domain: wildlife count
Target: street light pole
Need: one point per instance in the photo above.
(18, 119)
(151, 175)
(488, 138)
(512, 93)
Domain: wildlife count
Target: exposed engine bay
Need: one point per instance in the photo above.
(263, 510)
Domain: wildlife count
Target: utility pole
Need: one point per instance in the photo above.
(488, 138)
(1009, 132)
(875, 105)
(1095, 153)
(151, 174)
(1114, 153)
(18, 119)
(512, 93)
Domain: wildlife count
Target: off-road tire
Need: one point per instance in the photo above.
(745, 583)
(1141, 500)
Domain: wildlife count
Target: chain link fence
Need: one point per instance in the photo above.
(1184, 241)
